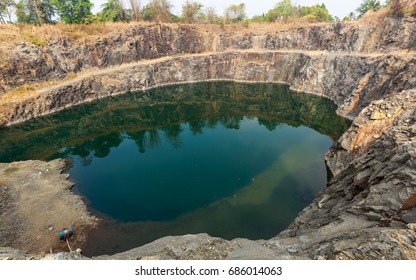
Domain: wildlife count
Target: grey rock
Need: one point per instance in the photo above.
(65, 256)
(7, 253)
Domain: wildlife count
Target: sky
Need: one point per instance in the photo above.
(339, 8)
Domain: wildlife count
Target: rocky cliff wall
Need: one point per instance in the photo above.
(389, 34)
(28, 63)
(351, 81)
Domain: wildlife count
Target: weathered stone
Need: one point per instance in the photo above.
(7, 253)
(362, 177)
(412, 226)
(377, 116)
(65, 256)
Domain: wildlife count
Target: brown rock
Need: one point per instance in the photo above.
(409, 203)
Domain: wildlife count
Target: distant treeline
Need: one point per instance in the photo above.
(79, 12)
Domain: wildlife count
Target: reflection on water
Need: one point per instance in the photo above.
(232, 160)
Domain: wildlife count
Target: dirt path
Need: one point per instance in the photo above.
(37, 204)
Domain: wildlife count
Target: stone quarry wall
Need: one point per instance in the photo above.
(351, 81)
(368, 209)
(28, 63)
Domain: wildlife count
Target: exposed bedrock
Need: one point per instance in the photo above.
(28, 63)
(351, 81)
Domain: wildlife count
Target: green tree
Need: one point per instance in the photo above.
(283, 10)
(73, 11)
(317, 12)
(34, 11)
(113, 10)
(350, 17)
(6, 7)
(191, 12)
(259, 18)
(236, 13)
(367, 5)
(157, 10)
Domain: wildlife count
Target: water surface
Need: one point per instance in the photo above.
(232, 160)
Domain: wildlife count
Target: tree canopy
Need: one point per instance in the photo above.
(157, 10)
(113, 10)
(35, 11)
(236, 13)
(315, 13)
(6, 7)
(191, 12)
(73, 11)
(79, 11)
(282, 10)
(367, 5)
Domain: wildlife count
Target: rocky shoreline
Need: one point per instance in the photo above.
(367, 210)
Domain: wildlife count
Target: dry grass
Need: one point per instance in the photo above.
(259, 27)
(70, 76)
(33, 39)
(9, 33)
(78, 33)
(283, 26)
(81, 33)
(39, 35)
(403, 7)
(24, 89)
(29, 89)
(4, 55)
(373, 18)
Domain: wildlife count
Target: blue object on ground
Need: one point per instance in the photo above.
(66, 233)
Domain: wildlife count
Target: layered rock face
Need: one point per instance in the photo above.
(351, 81)
(28, 63)
(366, 211)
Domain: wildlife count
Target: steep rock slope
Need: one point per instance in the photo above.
(352, 81)
(28, 63)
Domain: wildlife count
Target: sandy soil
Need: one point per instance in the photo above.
(36, 204)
